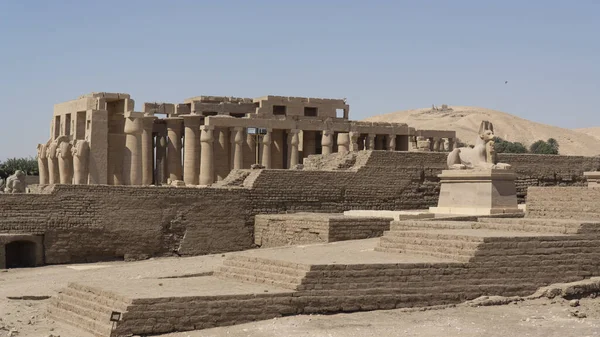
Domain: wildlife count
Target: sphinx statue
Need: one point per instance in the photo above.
(481, 156)
(16, 183)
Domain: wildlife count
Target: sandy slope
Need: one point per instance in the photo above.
(465, 120)
(593, 131)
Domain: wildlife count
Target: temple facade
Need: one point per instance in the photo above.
(99, 138)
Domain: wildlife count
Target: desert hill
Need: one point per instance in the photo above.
(593, 131)
(465, 121)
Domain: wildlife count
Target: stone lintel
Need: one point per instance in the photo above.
(159, 108)
(435, 133)
(133, 114)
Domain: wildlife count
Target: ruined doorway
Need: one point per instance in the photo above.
(20, 254)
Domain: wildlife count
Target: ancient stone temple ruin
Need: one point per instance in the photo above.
(100, 138)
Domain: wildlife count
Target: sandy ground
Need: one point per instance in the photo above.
(465, 121)
(543, 317)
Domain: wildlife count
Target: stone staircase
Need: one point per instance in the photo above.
(458, 244)
(276, 273)
(472, 241)
(86, 308)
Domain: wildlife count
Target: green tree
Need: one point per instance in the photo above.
(544, 147)
(503, 146)
(27, 165)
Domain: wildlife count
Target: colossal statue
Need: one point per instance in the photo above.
(481, 156)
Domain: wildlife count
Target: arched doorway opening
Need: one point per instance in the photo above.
(20, 254)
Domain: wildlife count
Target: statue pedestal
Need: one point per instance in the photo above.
(593, 179)
(477, 192)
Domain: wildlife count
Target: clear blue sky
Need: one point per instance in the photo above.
(382, 56)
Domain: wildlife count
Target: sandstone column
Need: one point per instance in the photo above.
(191, 159)
(53, 171)
(354, 141)
(371, 142)
(132, 157)
(238, 152)
(343, 142)
(147, 150)
(448, 144)
(266, 149)
(81, 152)
(436, 144)
(174, 147)
(391, 142)
(65, 161)
(294, 141)
(207, 165)
(42, 153)
(161, 158)
(327, 142)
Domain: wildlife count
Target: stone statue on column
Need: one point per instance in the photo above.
(53, 171)
(42, 157)
(65, 160)
(80, 152)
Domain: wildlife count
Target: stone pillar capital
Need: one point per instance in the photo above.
(192, 120)
(294, 140)
(238, 137)
(148, 122)
(133, 125)
(173, 122)
(206, 136)
(267, 138)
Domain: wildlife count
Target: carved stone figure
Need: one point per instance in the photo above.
(42, 154)
(16, 183)
(80, 151)
(483, 155)
(53, 170)
(65, 160)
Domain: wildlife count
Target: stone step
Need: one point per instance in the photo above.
(264, 267)
(398, 237)
(279, 263)
(548, 225)
(407, 247)
(78, 321)
(454, 257)
(253, 276)
(102, 302)
(433, 224)
(465, 235)
(97, 292)
(84, 308)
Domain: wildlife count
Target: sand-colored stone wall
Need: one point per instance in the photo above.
(96, 222)
(305, 228)
(92, 223)
(564, 203)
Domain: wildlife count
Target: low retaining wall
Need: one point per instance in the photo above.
(304, 228)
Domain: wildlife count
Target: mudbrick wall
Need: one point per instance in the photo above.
(578, 203)
(301, 228)
(93, 223)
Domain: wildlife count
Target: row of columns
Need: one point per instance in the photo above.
(199, 158)
(346, 142)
